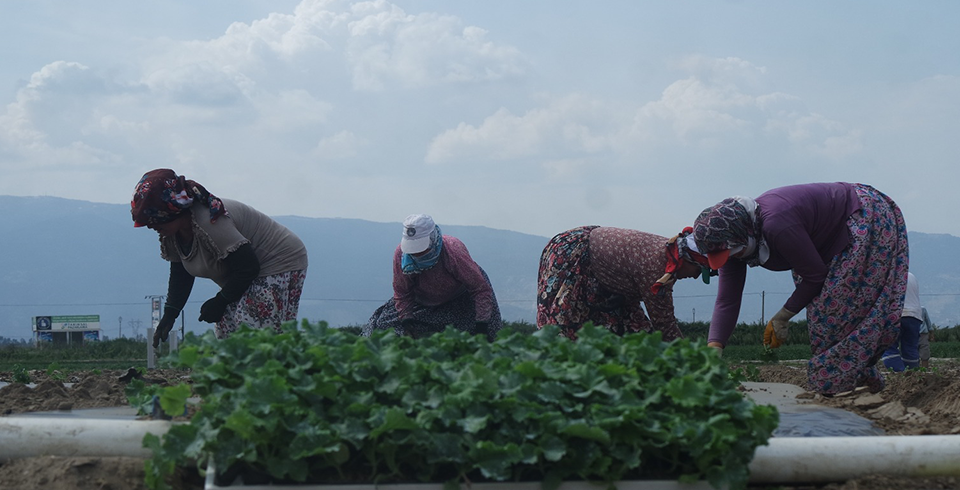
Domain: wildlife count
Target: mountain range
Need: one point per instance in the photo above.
(72, 257)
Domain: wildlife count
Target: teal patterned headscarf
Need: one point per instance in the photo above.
(413, 264)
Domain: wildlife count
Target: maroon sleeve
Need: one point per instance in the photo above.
(462, 266)
(661, 312)
(402, 288)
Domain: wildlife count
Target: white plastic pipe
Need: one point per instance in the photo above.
(23, 437)
(785, 459)
(836, 459)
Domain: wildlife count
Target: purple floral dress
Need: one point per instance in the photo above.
(857, 314)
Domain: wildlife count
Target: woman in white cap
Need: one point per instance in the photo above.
(603, 275)
(436, 283)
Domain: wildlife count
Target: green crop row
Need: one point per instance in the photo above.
(321, 405)
(744, 344)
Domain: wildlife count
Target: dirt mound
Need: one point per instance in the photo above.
(912, 403)
(86, 390)
(81, 473)
(54, 473)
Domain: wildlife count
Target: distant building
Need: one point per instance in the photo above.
(66, 330)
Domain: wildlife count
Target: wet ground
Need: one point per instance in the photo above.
(912, 403)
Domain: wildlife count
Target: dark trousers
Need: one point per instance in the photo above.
(905, 352)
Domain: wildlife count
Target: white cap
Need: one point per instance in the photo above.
(417, 229)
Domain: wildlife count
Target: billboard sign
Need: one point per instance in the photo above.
(66, 322)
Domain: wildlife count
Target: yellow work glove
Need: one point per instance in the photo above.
(777, 331)
(770, 338)
(718, 346)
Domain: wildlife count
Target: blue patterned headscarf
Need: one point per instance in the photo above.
(412, 264)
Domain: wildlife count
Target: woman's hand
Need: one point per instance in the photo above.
(718, 346)
(778, 329)
(164, 327)
(212, 309)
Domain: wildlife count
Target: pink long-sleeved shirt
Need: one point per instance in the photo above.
(454, 274)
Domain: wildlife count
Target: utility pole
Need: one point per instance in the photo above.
(763, 307)
(156, 307)
(120, 327)
(694, 315)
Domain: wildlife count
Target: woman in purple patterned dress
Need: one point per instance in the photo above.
(258, 263)
(846, 245)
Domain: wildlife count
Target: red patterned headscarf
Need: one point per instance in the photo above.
(162, 195)
(679, 249)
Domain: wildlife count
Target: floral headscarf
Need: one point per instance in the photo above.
(162, 195)
(732, 225)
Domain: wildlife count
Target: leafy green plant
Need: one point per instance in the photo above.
(149, 399)
(140, 395)
(770, 355)
(20, 375)
(56, 372)
(323, 406)
(745, 373)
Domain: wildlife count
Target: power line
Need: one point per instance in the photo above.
(381, 300)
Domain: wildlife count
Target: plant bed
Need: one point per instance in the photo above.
(316, 405)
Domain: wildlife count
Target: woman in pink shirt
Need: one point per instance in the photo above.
(435, 284)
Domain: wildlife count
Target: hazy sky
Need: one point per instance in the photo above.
(533, 116)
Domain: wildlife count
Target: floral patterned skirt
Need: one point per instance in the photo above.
(857, 314)
(568, 294)
(268, 302)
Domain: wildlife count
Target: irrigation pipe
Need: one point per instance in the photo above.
(23, 437)
(834, 459)
(785, 459)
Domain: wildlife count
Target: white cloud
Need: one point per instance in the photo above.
(727, 104)
(387, 45)
(572, 123)
(340, 146)
(382, 46)
(291, 109)
(722, 109)
(41, 127)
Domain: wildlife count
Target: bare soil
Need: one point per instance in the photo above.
(916, 402)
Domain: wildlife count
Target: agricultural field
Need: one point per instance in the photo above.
(934, 394)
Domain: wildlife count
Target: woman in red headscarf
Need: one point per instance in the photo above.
(258, 263)
(603, 275)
